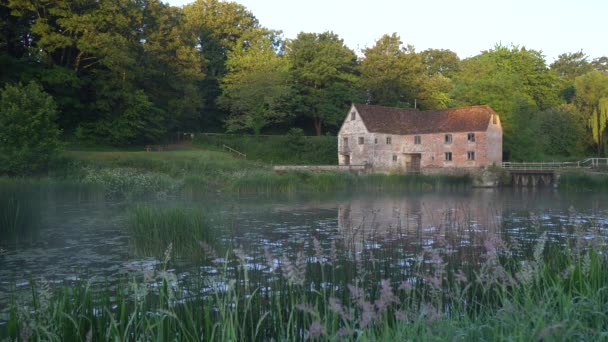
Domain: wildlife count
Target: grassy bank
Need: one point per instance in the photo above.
(293, 149)
(333, 294)
(158, 174)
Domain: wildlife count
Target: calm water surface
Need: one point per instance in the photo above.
(88, 239)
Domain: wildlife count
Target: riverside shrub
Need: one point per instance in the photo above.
(29, 136)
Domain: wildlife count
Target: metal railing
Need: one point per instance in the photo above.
(550, 166)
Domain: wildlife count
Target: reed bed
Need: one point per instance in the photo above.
(152, 229)
(583, 181)
(357, 287)
(289, 182)
(133, 175)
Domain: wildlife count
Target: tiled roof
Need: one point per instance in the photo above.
(401, 121)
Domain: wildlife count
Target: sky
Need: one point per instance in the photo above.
(466, 27)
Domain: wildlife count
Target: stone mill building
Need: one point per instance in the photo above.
(389, 139)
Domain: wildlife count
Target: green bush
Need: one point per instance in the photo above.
(29, 137)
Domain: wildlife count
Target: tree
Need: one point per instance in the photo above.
(219, 28)
(29, 137)
(256, 86)
(571, 65)
(600, 64)
(563, 132)
(392, 74)
(323, 71)
(515, 82)
(440, 62)
(591, 95)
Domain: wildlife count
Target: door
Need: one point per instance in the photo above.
(413, 166)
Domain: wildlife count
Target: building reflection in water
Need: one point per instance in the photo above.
(417, 222)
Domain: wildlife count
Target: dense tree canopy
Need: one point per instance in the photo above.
(126, 72)
(324, 77)
(391, 74)
(256, 87)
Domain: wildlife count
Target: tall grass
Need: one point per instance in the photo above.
(152, 229)
(160, 174)
(583, 181)
(271, 182)
(344, 290)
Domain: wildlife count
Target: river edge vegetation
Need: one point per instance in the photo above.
(342, 291)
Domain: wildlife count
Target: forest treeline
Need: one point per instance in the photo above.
(125, 72)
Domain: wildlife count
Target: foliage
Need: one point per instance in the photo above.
(571, 65)
(256, 87)
(19, 214)
(517, 84)
(391, 74)
(219, 28)
(441, 62)
(29, 137)
(153, 229)
(323, 71)
(563, 132)
(100, 58)
(591, 95)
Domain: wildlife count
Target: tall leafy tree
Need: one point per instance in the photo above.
(600, 64)
(170, 66)
(324, 73)
(563, 132)
(515, 82)
(392, 74)
(220, 27)
(256, 87)
(571, 65)
(440, 62)
(592, 99)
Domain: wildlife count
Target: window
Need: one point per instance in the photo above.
(361, 140)
(345, 141)
(375, 140)
(494, 119)
(388, 140)
(417, 139)
(448, 156)
(394, 157)
(471, 155)
(352, 115)
(471, 137)
(448, 139)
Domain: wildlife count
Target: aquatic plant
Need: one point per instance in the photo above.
(583, 181)
(151, 229)
(119, 183)
(345, 289)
